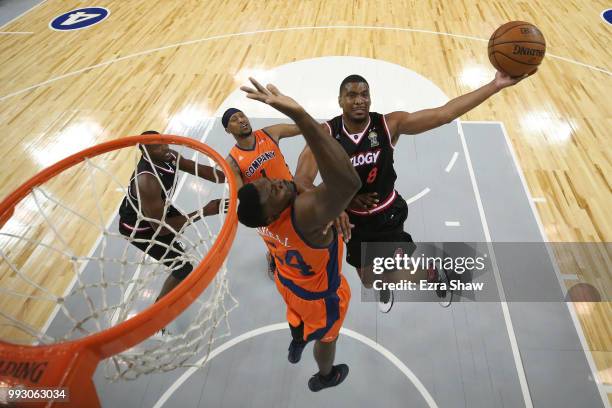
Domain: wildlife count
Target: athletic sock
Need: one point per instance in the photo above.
(329, 377)
(295, 351)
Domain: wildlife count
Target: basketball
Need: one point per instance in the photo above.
(517, 48)
(583, 292)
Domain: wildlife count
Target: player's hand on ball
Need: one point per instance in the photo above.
(503, 80)
(270, 95)
(364, 202)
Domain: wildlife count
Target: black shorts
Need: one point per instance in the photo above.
(165, 248)
(386, 226)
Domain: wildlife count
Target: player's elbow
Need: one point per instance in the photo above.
(348, 185)
(445, 116)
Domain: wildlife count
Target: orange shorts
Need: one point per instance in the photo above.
(322, 318)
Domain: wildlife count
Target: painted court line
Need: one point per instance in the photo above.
(451, 163)
(23, 14)
(538, 199)
(520, 369)
(274, 30)
(283, 326)
(569, 276)
(70, 286)
(570, 306)
(415, 197)
(452, 223)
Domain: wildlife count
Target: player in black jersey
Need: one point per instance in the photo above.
(378, 211)
(159, 165)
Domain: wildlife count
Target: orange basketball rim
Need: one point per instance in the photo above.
(72, 364)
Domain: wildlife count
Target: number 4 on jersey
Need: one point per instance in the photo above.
(79, 17)
(293, 255)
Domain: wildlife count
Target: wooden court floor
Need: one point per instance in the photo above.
(151, 60)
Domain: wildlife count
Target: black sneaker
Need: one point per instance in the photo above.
(385, 300)
(295, 351)
(338, 374)
(442, 291)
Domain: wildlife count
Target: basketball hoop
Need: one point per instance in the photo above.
(72, 363)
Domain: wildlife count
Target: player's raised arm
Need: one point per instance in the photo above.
(340, 180)
(427, 119)
(203, 171)
(282, 130)
(307, 169)
(149, 193)
(305, 174)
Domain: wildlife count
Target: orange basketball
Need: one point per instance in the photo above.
(583, 292)
(517, 48)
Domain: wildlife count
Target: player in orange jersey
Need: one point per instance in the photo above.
(256, 153)
(309, 262)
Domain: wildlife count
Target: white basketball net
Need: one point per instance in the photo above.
(54, 287)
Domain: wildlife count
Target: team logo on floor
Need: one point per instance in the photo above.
(79, 18)
(607, 16)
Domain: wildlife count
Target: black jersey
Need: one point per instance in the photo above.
(166, 172)
(371, 153)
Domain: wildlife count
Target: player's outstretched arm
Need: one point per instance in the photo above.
(340, 180)
(282, 130)
(305, 174)
(307, 169)
(203, 171)
(149, 194)
(427, 119)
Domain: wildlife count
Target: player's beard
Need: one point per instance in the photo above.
(246, 134)
(364, 116)
(350, 116)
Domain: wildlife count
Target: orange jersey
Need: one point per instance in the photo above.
(264, 159)
(308, 271)
(309, 279)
